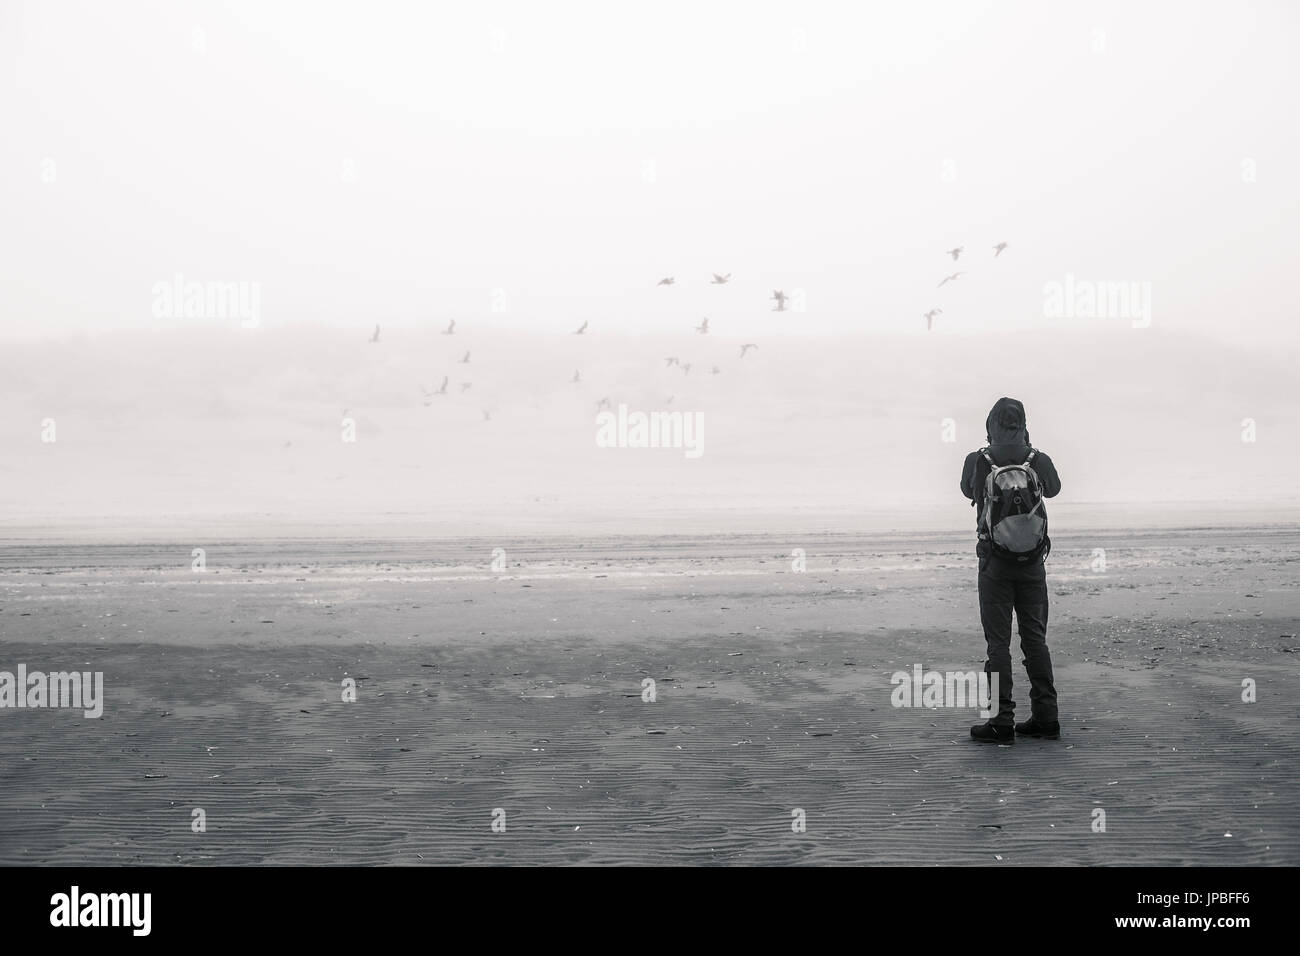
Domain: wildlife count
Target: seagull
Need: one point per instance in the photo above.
(780, 298)
(603, 403)
(746, 347)
(956, 252)
(442, 389)
(670, 361)
(450, 329)
(667, 280)
(375, 338)
(687, 368)
(716, 371)
(465, 359)
(720, 280)
(465, 386)
(703, 327)
(287, 444)
(997, 250)
(670, 399)
(487, 416)
(929, 317)
(582, 329)
(576, 376)
(951, 278)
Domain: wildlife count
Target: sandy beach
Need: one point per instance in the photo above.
(520, 690)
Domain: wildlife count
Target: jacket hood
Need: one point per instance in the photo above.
(1006, 424)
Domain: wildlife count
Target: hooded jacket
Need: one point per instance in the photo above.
(1007, 432)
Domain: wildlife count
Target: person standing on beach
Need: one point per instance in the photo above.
(1006, 482)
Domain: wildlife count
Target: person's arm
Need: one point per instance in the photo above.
(968, 475)
(1047, 475)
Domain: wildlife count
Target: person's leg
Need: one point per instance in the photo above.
(997, 599)
(1031, 621)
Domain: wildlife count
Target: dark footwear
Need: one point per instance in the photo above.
(1040, 728)
(993, 733)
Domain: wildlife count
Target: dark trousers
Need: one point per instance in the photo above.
(1005, 588)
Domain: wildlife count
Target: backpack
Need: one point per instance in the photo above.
(1012, 518)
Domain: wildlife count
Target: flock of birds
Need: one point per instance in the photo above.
(432, 394)
(778, 296)
(956, 254)
(673, 361)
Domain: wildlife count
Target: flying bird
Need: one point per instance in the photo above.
(442, 389)
(375, 338)
(720, 280)
(667, 280)
(576, 376)
(929, 317)
(703, 327)
(603, 403)
(687, 368)
(956, 252)
(670, 361)
(465, 386)
(487, 416)
(465, 359)
(670, 399)
(583, 328)
(715, 371)
(780, 298)
(997, 250)
(947, 279)
(450, 329)
(746, 347)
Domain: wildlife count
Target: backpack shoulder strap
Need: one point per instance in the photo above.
(987, 457)
(1038, 482)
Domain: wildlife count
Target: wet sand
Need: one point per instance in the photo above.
(521, 689)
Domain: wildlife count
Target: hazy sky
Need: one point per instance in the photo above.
(397, 163)
(525, 168)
